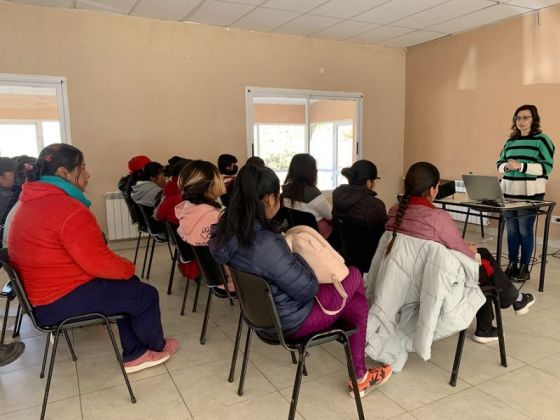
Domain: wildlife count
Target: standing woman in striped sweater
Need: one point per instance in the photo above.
(526, 162)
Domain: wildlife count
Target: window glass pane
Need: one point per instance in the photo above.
(277, 145)
(51, 132)
(18, 139)
(322, 149)
(345, 152)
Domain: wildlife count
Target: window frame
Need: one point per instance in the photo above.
(252, 92)
(59, 83)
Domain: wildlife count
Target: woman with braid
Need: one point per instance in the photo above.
(416, 216)
(526, 162)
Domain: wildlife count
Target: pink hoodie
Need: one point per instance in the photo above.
(195, 221)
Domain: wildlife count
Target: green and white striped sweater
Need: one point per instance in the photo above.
(535, 153)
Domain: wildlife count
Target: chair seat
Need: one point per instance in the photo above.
(83, 321)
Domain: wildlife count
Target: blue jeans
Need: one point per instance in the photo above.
(520, 233)
(139, 332)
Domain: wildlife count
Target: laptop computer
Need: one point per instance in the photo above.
(485, 190)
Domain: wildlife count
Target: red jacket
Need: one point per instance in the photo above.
(56, 245)
(172, 196)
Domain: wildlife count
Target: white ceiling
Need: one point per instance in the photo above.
(393, 23)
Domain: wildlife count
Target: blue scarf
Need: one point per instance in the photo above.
(67, 187)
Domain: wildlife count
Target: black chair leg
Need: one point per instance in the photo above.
(171, 255)
(48, 341)
(146, 255)
(297, 383)
(49, 376)
(187, 284)
(458, 356)
(196, 293)
(245, 362)
(294, 360)
(235, 349)
(137, 246)
(151, 259)
(74, 358)
(172, 274)
(206, 316)
(119, 358)
(17, 324)
(352, 374)
(466, 222)
(5, 321)
(502, 342)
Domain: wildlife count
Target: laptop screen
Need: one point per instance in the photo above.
(483, 187)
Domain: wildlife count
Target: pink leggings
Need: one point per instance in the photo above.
(353, 315)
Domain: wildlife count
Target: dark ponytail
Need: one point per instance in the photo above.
(53, 157)
(360, 172)
(420, 177)
(252, 184)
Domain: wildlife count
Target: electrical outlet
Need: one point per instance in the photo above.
(556, 219)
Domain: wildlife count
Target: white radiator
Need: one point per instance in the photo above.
(119, 225)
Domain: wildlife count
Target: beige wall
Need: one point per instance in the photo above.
(162, 88)
(461, 93)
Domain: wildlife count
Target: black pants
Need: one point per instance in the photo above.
(508, 294)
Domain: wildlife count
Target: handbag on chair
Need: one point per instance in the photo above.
(326, 263)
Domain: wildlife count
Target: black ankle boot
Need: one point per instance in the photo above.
(512, 270)
(523, 274)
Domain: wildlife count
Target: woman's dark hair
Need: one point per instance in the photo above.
(151, 170)
(196, 180)
(55, 156)
(302, 172)
(172, 164)
(252, 184)
(177, 167)
(360, 172)
(535, 121)
(24, 166)
(419, 178)
(255, 160)
(224, 161)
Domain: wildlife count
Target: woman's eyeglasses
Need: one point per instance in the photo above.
(522, 117)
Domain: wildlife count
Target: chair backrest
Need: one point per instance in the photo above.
(19, 290)
(291, 217)
(134, 211)
(212, 271)
(358, 240)
(256, 302)
(154, 226)
(184, 249)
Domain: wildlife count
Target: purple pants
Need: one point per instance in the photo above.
(353, 315)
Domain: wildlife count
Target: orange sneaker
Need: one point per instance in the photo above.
(171, 345)
(375, 377)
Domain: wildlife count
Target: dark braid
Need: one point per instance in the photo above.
(420, 177)
(403, 204)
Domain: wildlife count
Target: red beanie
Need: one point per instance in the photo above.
(137, 163)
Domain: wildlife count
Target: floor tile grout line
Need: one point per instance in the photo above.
(19, 410)
(506, 404)
(132, 382)
(178, 391)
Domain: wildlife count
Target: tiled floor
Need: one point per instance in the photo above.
(193, 383)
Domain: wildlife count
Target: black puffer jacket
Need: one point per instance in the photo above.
(292, 282)
(361, 203)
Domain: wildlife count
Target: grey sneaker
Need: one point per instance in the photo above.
(522, 307)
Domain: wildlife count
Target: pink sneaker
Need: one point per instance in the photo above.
(171, 345)
(147, 360)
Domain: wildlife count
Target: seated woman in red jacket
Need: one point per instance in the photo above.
(66, 268)
(165, 211)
